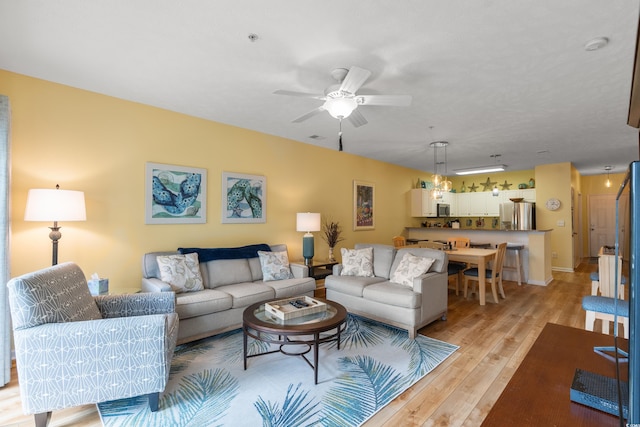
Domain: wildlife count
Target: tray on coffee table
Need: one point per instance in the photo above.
(290, 308)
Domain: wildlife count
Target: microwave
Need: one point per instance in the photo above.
(443, 210)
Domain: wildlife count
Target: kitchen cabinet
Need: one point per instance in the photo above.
(422, 204)
(528, 194)
(492, 204)
(451, 199)
(478, 204)
(465, 202)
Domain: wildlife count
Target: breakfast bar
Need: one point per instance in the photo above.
(535, 255)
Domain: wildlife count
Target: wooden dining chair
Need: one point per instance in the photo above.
(399, 241)
(493, 274)
(456, 268)
(601, 303)
(459, 242)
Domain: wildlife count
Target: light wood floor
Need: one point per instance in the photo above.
(493, 341)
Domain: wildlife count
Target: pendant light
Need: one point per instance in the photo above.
(441, 184)
(495, 192)
(607, 183)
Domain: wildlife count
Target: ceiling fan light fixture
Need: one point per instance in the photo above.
(340, 105)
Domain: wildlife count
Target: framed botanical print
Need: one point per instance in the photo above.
(175, 194)
(363, 205)
(244, 198)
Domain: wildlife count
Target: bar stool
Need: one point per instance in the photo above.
(514, 247)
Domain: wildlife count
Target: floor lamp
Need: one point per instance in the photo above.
(55, 205)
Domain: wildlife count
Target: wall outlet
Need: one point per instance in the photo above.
(554, 255)
(560, 223)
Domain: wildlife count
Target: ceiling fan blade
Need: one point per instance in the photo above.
(386, 100)
(357, 119)
(299, 94)
(308, 115)
(354, 79)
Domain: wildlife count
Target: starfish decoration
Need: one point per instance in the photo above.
(506, 186)
(488, 186)
(473, 187)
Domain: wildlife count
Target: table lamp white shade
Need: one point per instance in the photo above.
(55, 205)
(308, 222)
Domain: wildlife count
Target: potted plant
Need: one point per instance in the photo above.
(331, 232)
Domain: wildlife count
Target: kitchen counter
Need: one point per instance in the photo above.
(535, 257)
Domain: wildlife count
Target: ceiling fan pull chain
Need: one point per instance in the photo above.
(340, 136)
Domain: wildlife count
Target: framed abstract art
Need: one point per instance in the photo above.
(175, 194)
(244, 198)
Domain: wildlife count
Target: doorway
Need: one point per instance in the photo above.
(602, 222)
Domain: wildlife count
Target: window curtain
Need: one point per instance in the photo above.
(5, 325)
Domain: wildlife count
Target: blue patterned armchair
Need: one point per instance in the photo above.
(74, 349)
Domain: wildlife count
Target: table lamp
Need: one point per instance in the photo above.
(55, 205)
(307, 222)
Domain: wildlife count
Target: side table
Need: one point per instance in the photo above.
(319, 269)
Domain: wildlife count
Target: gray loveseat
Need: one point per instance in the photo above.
(378, 298)
(230, 285)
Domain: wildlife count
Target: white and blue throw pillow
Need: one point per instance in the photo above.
(357, 262)
(410, 267)
(182, 272)
(275, 265)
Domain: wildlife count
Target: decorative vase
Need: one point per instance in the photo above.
(532, 183)
(331, 257)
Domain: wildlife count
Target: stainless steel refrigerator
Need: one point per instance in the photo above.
(524, 216)
(506, 216)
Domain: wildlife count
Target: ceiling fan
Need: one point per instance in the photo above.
(341, 100)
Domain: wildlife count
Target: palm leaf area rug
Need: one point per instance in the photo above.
(209, 387)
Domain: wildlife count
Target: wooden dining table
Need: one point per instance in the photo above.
(480, 257)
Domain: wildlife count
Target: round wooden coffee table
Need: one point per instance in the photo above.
(306, 331)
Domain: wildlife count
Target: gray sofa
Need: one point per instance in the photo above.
(380, 299)
(230, 285)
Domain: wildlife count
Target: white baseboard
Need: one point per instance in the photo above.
(563, 269)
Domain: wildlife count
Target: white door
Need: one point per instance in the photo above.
(602, 220)
(576, 228)
(576, 221)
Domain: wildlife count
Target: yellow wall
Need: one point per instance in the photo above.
(555, 181)
(100, 145)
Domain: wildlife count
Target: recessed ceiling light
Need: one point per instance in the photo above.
(595, 44)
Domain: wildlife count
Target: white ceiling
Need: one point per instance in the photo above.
(489, 76)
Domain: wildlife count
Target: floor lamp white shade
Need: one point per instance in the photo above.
(55, 205)
(307, 222)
